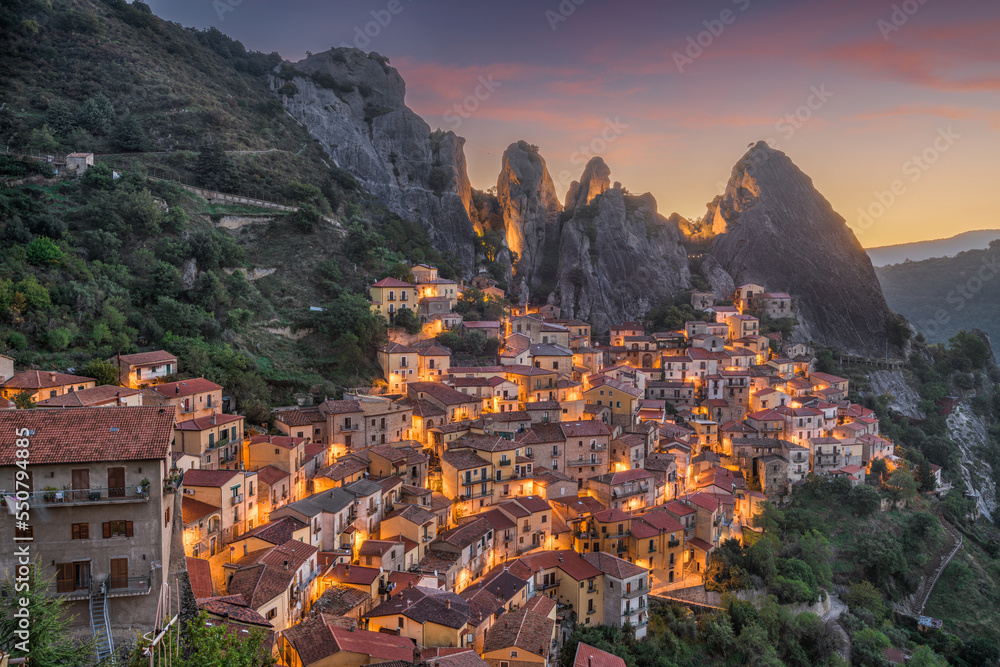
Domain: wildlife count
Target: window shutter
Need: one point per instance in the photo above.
(75, 531)
(84, 531)
(107, 529)
(128, 529)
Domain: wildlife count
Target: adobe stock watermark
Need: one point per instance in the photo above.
(598, 145)
(459, 111)
(787, 125)
(697, 44)
(963, 294)
(381, 18)
(914, 169)
(898, 17)
(22, 534)
(223, 7)
(565, 9)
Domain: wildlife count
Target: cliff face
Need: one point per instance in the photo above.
(617, 256)
(529, 208)
(352, 102)
(773, 228)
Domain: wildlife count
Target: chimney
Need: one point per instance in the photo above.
(347, 569)
(177, 389)
(52, 376)
(590, 661)
(447, 604)
(211, 419)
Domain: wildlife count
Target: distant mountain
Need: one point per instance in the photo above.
(943, 295)
(921, 250)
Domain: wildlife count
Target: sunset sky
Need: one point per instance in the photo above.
(875, 85)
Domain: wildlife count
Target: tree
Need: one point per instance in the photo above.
(48, 643)
(863, 595)
(24, 400)
(867, 648)
(981, 652)
(128, 135)
(43, 252)
(96, 115)
(102, 370)
(209, 645)
(924, 656)
(865, 499)
(215, 169)
(925, 477)
(902, 484)
(407, 320)
(878, 471)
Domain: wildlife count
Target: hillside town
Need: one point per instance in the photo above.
(450, 513)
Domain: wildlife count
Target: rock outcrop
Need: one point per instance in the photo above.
(353, 104)
(774, 229)
(530, 210)
(617, 257)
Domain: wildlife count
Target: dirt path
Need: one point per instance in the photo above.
(832, 620)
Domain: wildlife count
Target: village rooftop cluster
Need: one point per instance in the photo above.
(453, 514)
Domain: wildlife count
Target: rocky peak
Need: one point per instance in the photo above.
(529, 207)
(596, 180)
(775, 229)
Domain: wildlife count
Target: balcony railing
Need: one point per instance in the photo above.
(504, 463)
(350, 427)
(92, 496)
(672, 544)
(551, 584)
(125, 586)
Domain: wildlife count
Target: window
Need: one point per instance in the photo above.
(271, 613)
(513, 653)
(117, 529)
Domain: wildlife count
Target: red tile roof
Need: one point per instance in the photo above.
(271, 474)
(72, 435)
(283, 441)
(43, 380)
(86, 397)
(205, 423)
(567, 560)
(200, 573)
(391, 282)
(209, 478)
(145, 358)
(192, 510)
(588, 656)
(320, 637)
(277, 531)
(185, 387)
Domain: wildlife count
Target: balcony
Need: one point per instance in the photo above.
(92, 496)
(673, 544)
(546, 586)
(592, 535)
(350, 427)
(504, 463)
(582, 462)
(634, 593)
(129, 586)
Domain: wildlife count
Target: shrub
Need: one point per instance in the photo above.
(43, 251)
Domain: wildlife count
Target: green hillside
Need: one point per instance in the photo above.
(97, 265)
(944, 295)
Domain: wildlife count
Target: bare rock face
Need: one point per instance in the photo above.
(617, 256)
(595, 181)
(721, 282)
(775, 229)
(353, 103)
(529, 207)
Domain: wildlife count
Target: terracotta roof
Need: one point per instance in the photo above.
(87, 397)
(200, 573)
(233, 608)
(524, 629)
(422, 604)
(397, 348)
(185, 387)
(192, 510)
(344, 407)
(465, 534)
(283, 441)
(277, 531)
(464, 459)
(270, 474)
(613, 566)
(262, 575)
(205, 423)
(353, 574)
(391, 282)
(299, 416)
(586, 428)
(339, 600)
(209, 478)
(439, 392)
(567, 560)
(588, 656)
(43, 380)
(146, 358)
(320, 637)
(413, 514)
(71, 435)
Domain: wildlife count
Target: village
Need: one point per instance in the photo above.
(450, 514)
